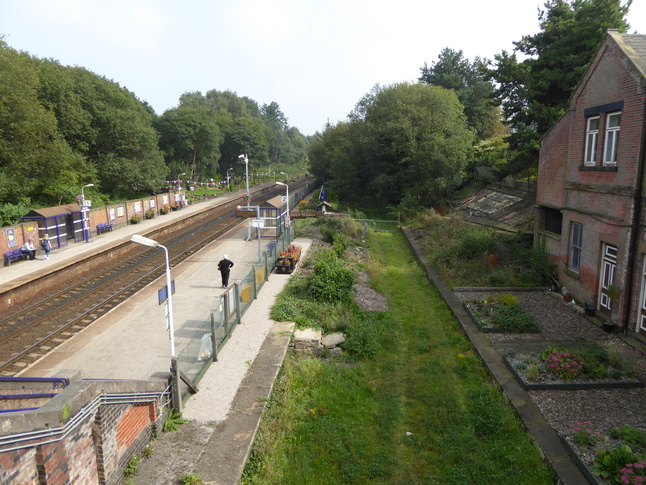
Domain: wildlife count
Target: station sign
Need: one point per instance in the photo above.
(258, 223)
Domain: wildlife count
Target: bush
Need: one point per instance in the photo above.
(513, 318)
(330, 281)
(608, 463)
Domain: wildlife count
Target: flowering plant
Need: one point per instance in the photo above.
(633, 473)
(565, 365)
(583, 435)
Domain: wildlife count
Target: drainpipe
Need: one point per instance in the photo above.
(632, 248)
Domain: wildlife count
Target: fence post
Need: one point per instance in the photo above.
(214, 344)
(176, 397)
(255, 289)
(237, 303)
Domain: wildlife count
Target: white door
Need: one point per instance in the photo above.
(608, 265)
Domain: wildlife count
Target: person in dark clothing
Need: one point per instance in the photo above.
(225, 266)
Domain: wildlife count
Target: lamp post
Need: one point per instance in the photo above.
(179, 188)
(248, 194)
(228, 179)
(84, 228)
(144, 241)
(287, 221)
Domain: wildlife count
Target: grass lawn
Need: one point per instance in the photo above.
(424, 410)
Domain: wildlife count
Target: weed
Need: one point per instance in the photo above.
(132, 468)
(173, 421)
(147, 451)
(191, 479)
(508, 299)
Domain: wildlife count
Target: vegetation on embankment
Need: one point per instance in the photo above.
(409, 402)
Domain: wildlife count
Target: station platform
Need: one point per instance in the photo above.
(131, 341)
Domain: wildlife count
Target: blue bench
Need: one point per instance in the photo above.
(15, 255)
(103, 227)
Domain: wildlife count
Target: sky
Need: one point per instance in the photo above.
(315, 58)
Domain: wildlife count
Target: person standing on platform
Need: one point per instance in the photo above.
(46, 244)
(29, 249)
(224, 266)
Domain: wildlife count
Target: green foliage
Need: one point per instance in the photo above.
(632, 436)
(514, 318)
(507, 299)
(132, 468)
(474, 90)
(191, 479)
(534, 92)
(331, 281)
(340, 244)
(173, 421)
(608, 463)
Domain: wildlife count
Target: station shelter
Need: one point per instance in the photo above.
(62, 223)
(273, 212)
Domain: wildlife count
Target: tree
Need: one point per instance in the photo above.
(469, 81)
(191, 140)
(534, 92)
(413, 141)
(36, 163)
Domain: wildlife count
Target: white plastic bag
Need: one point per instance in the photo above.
(206, 348)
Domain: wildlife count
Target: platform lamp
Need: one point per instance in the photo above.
(248, 195)
(144, 241)
(179, 188)
(287, 175)
(287, 221)
(84, 228)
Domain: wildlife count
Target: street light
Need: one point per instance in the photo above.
(84, 228)
(248, 195)
(144, 241)
(179, 188)
(287, 175)
(287, 221)
(228, 179)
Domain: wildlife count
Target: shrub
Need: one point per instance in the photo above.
(609, 463)
(330, 281)
(508, 299)
(341, 243)
(513, 318)
(630, 435)
(565, 365)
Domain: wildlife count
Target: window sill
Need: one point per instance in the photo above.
(551, 235)
(598, 168)
(572, 273)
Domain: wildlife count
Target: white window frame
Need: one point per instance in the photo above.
(591, 137)
(576, 243)
(612, 139)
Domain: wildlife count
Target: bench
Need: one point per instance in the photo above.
(103, 227)
(15, 255)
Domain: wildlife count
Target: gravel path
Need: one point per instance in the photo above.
(560, 322)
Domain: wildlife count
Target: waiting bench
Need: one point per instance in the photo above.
(15, 255)
(103, 227)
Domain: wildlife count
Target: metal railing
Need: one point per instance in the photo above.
(210, 336)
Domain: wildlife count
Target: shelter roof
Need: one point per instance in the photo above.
(46, 212)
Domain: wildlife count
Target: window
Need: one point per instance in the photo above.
(612, 138)
(591, 141)
(553, 220)
(576, 231)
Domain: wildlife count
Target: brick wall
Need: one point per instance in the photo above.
(91, 448)
(604, 199)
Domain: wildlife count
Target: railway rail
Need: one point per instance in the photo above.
(30, 330)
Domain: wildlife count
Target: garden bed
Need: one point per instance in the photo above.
(500, 314)
(571, 366)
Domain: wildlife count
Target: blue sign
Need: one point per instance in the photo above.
(162, 294)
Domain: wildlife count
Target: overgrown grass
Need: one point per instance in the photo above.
(414, 404)
(468, 255)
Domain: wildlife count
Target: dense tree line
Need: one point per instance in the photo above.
(410, 146)
(63, 127)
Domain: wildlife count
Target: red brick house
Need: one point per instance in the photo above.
(590, 196)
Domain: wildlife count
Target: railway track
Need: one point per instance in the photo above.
(30, 331)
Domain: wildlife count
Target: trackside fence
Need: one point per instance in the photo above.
(209, 337)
